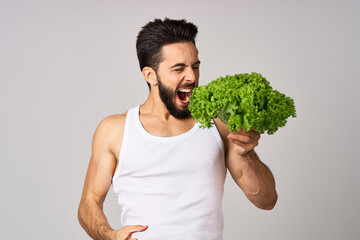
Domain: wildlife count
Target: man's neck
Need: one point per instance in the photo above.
(157, 120)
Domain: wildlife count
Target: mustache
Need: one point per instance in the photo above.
(186, 85)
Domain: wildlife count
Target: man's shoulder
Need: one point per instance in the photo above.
(111, 126)
(114, 119)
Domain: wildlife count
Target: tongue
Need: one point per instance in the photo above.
(181, 95)
(184, 97)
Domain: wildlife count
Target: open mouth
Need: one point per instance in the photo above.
(184, 95)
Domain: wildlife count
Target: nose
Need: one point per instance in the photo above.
(191, 75)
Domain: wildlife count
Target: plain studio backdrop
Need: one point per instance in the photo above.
(66, 65)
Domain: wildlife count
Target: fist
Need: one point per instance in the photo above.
(243, 141)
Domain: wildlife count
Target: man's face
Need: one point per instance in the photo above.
(178, 75)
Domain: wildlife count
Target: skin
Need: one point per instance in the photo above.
(179, 67)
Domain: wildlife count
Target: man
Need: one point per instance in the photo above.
(168, 173)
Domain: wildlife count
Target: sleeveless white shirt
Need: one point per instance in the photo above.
(172, 184)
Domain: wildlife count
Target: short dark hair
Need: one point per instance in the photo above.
(154, 35)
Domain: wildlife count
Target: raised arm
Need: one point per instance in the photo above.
(250, 174)
(106, 143)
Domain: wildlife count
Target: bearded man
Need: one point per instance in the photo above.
(167, 172)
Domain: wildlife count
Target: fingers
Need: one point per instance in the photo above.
(248, 137)
(135, 228)
(244, 141)
(242, 149)
(126, 232)
(251, 133)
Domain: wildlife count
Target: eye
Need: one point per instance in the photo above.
(197, 67)
(178, 69)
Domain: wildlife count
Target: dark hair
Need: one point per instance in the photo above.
(154, 35)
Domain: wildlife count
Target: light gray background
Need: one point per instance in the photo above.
(66, 65)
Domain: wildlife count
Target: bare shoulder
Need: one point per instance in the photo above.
(103, 162)
(109, 133)
(112, 122)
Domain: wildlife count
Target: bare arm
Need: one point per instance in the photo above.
(98, 180)
(251, 175)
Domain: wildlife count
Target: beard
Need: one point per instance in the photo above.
(168, 97)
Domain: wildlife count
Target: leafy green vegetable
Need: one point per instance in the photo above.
(242, 101)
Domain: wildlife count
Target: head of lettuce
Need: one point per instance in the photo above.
(243, 101)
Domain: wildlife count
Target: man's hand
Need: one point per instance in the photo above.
(126, 232)
(244, 142)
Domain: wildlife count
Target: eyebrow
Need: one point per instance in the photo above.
(184, 65)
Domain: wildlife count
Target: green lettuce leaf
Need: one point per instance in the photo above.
(243, 101)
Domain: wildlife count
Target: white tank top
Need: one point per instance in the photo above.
(172, 184)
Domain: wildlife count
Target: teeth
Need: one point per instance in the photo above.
(185, 90)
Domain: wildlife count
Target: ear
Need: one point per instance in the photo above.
(150, 75)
